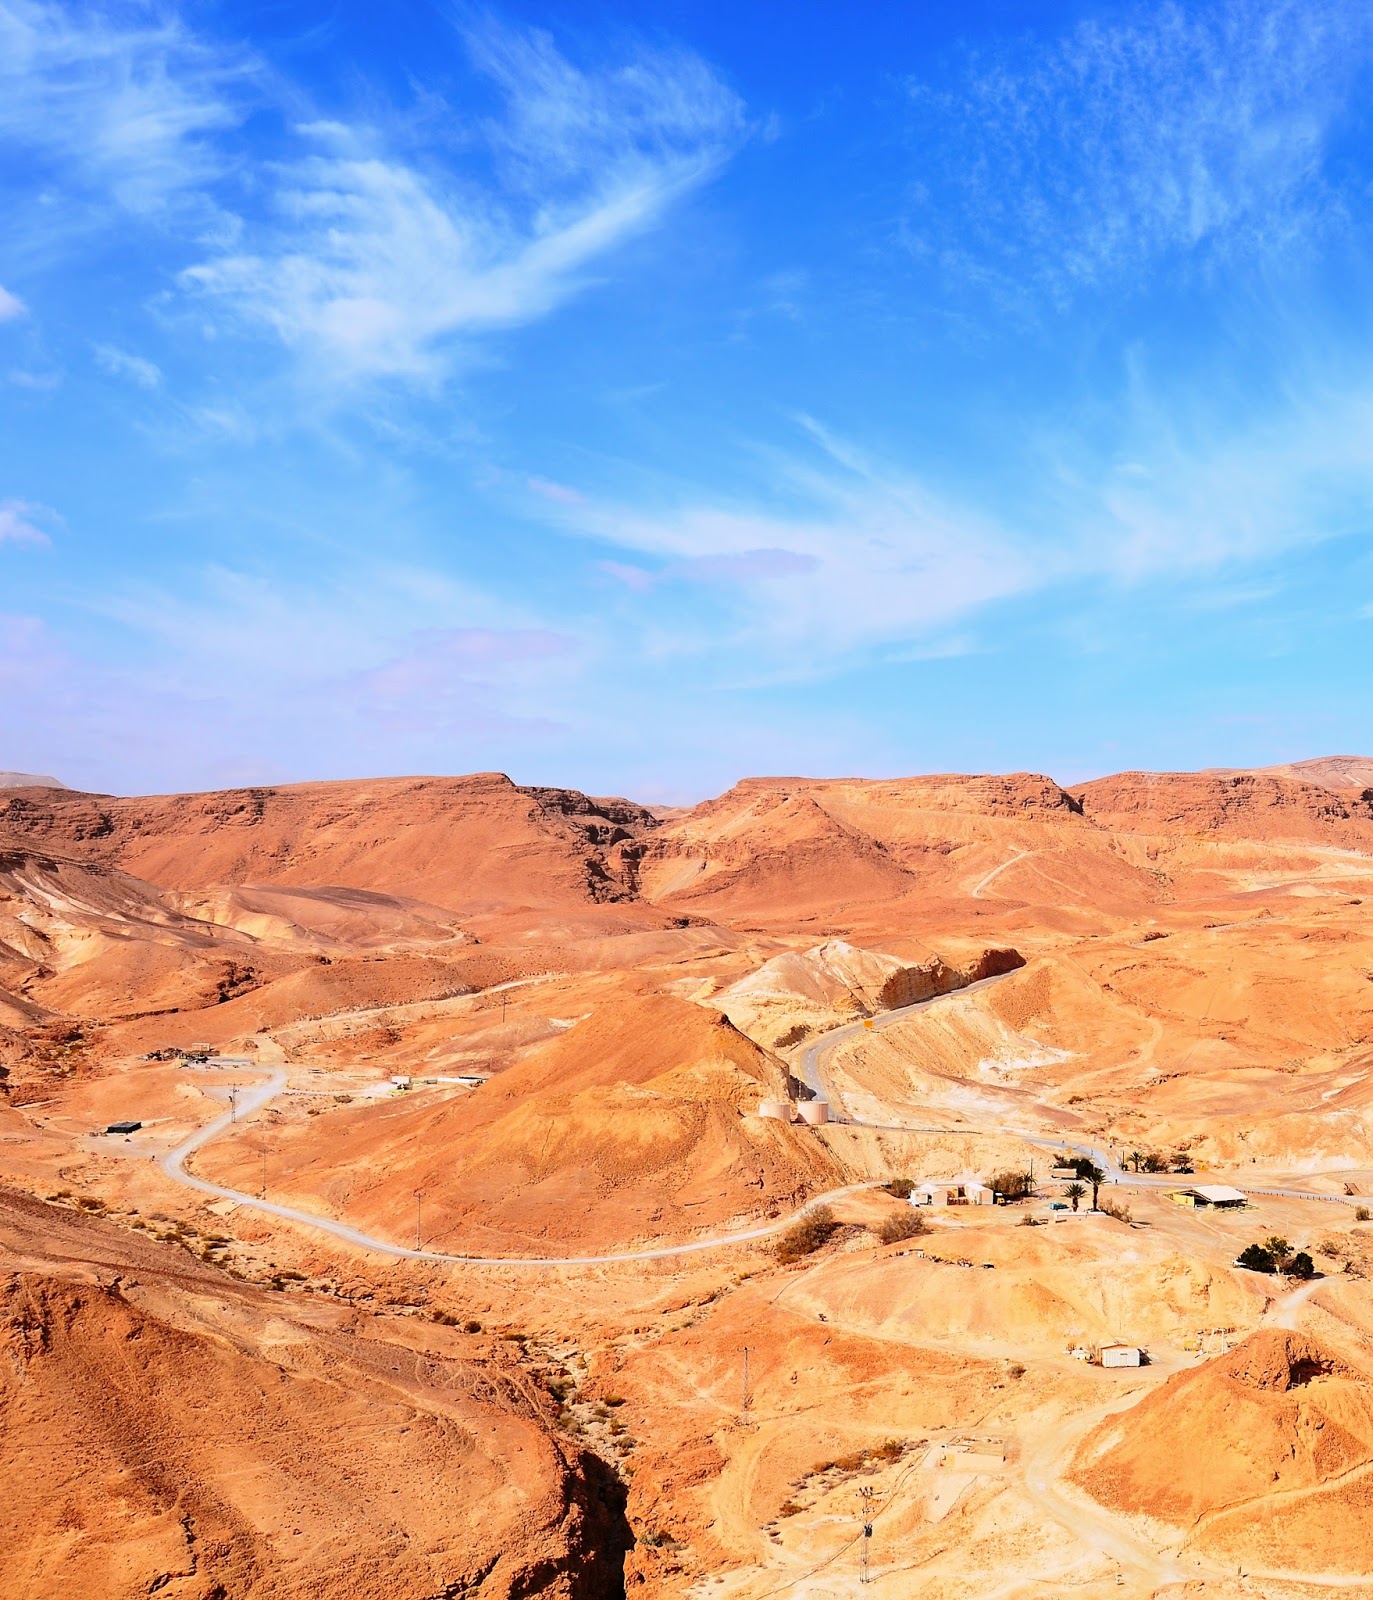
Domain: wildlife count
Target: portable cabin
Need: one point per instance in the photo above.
(1120, 1355)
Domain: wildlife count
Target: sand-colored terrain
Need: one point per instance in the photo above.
(486, 1023)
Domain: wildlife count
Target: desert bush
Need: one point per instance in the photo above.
(1015, 1370)
(1257, 1259)
(901, 1225)
(902, 1188)
(806, 1235)
(1011, 1185)
(1362, 1214)
(471, 1327)
(1115, 1208)
(1302, 1265)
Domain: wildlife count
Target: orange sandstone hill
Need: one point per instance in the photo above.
(626, 1127)
(1239, 805)
(1267, 1450)
(464, 843)
(170, 1431)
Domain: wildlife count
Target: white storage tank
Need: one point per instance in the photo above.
(814, 1111)
(778, 1110)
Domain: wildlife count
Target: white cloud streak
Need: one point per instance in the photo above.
(19, 521)
(120, 102)
(119, 363)
(375, 264)
(11, 306)
(873, 558)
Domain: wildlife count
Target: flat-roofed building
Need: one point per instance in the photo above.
(1120, 1355)
(1210, 1194)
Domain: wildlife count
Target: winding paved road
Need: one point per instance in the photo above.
(810, 1069)
(173, 1163)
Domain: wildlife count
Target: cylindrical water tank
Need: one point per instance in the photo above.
(814, 1111)
(779, 1110)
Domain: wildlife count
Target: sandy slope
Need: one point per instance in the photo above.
(170, 1431)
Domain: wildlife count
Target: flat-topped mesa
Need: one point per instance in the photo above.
(467, 842)
(1006, 794)
(1244, 805)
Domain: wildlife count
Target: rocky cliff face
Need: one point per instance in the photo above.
(464, 843)
(1247, 805)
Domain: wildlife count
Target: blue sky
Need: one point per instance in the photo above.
(640, 398)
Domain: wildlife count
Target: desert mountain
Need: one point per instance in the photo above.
(170, 1431)
(626, 1125)
(1242, 805)
(464, 843)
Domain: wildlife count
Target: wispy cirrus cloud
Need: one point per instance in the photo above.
(1178, 131)
(11, 305)
(119, 103)
(864, 555)
(20, 522)
(375, 263)
(119, 363)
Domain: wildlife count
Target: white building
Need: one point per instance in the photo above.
(1210, 1194)
(967, 1189)
(1120, 1355)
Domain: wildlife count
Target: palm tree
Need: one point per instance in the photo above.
(1090, 1173)
(1075, 1192)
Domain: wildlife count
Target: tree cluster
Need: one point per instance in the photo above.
(1276, 1255)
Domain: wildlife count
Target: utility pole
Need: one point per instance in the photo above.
(419, 1202)
(233, 1102)
(746, 1397)
(264, 1169)
(865, 1496)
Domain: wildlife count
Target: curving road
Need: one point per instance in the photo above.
(810, 1069)
(173, 1163)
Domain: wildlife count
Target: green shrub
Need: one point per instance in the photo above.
(902, 1188)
